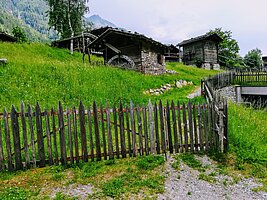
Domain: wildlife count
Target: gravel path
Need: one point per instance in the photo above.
(196, 93)
(185, 184)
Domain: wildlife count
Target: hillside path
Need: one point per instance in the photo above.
(196, 93)
(187, 184)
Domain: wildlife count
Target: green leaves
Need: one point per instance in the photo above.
(19, 34)
(253, 58)
(65, 16)
(228, 48)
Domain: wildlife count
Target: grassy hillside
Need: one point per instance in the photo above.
(39, 73)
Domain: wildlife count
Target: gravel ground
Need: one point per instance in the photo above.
(185, 184)
(196, 93)
(79, 191)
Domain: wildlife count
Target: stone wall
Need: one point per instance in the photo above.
(228, 93)
(150, 64)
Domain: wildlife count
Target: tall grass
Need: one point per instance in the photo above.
(39, 73)
(248, 134)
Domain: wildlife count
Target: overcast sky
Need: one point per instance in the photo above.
(171, 21)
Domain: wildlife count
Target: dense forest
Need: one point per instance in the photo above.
(30, 15)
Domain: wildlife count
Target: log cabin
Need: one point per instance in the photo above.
(129, 50)
(201, 51)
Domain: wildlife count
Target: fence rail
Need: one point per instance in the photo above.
(34, 138)
(211, 84)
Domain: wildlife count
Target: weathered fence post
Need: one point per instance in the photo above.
(2, 164)
(110, 145)
(30, 116)
(156, 128)
(48, 136)
(63, 152)
(40, 136)
(90, 133)
(25, 137)
(103, 131)
(8, 144)
(70, 136)
(133, 129)
(151, 125)
(169, 131)
(175, 131)
(162, 127)
(128, 132)
(140, 131)
(97, 135)
(16, 138)
(116, 132)
(54, 135)
(83, 132)
(122, 136)
(145, 129)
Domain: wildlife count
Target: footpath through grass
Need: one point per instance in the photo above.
(39, 73)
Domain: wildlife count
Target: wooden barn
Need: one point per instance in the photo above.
(130, 50)
(4, 37)
(172, 54)
(202, 51)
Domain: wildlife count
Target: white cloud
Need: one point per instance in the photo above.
(171, 21)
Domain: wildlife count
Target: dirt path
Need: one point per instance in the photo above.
(196, 93)
(188, 183)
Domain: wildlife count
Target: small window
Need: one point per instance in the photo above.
(160, 59)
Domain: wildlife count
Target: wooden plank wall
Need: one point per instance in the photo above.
(35, 138)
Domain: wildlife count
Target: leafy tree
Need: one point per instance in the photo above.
(253, 58)
(19, 34)
(228, 48)
(66, 16)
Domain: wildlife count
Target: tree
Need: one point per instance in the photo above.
(19, 34)
(253, 58)
(228, 48)
(66, 16)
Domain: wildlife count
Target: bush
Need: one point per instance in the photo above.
(19, 34)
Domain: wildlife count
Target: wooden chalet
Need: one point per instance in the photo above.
(129, 50)
(172, 54)
(202, 51)
(4, 37)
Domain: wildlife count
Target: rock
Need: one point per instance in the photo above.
(178, 84)
(157, 93)
(184, 83)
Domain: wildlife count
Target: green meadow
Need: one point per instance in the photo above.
(39, 73)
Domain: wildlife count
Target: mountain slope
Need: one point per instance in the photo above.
(28, 14)
(99, 22)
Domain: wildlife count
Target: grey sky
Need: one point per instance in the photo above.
(171, 21)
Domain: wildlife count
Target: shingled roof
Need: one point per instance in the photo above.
(104, 32)
(213, 36)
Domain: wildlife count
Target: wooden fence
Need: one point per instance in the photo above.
(34, 138)
(211, 84)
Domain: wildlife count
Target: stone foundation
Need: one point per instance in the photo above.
(209, 66)
(152, 64)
